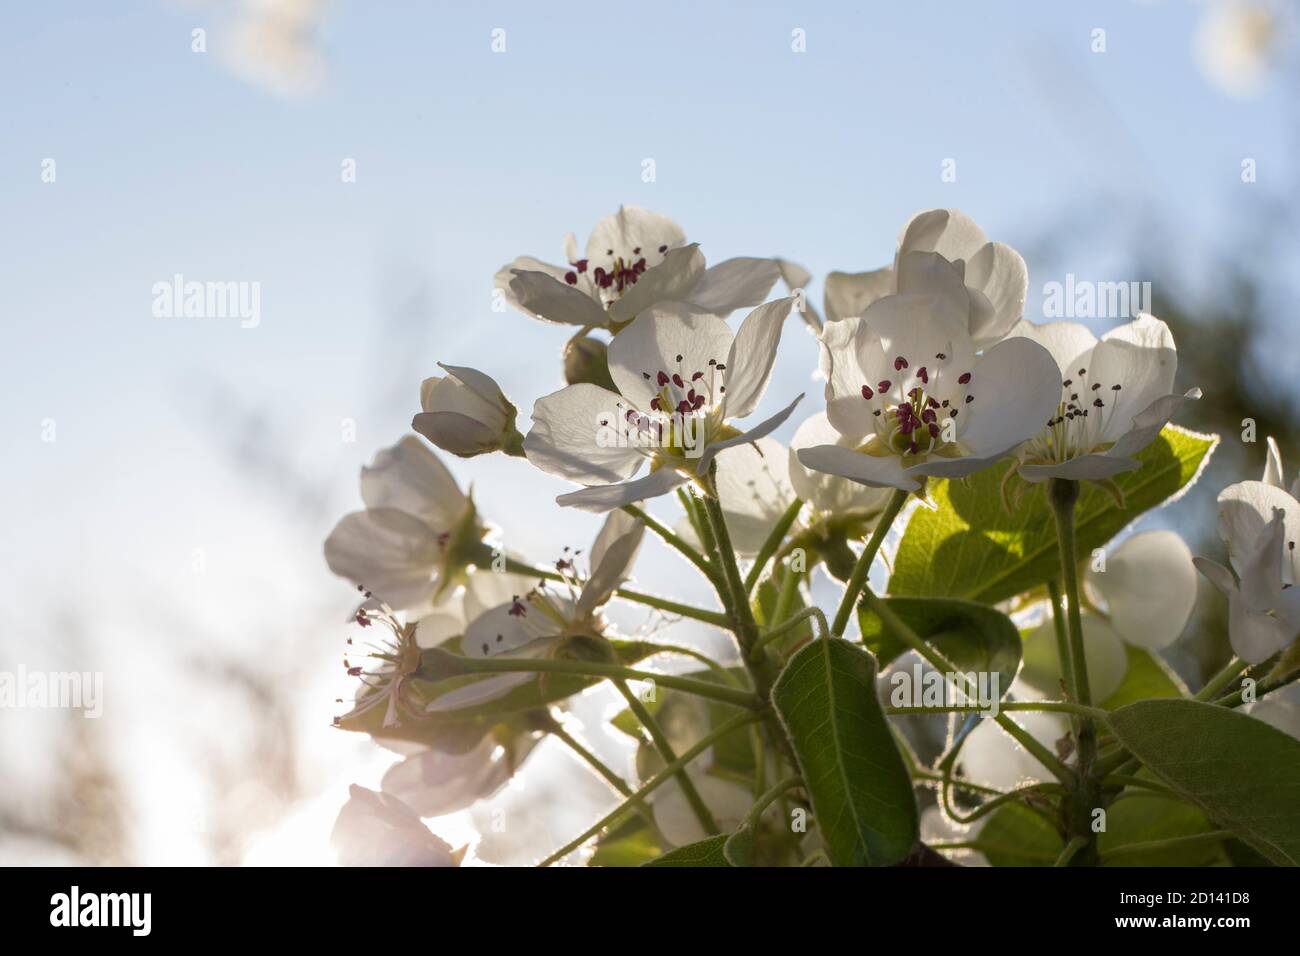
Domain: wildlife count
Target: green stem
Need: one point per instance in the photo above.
(667, 773)
(1002, 799)
(1052, 706)
(862, 569)
(742, 616)
(675, 541)
(785, 597)
(689, 685)
(1071, 850)
(1171, 843)
(661, 743)
(771, 543)
(1063, 495)
(1063, 654)
(770, 797)
(787, 626)
(1231, 671)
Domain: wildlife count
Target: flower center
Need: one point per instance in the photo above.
(608, 284)
(910, 421)
(1079, 425)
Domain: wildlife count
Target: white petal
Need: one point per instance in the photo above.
(652, 343)
(672, 279)
(456, 433)
(846, 410)
(1139, 356)
(1016, 387)
(1259, 523)
(735, 284)
(826, 492)
(948, 232)
(392, 553)
(377, 829)
(575, 435)
(545, 297)
(761, 430)
(999, 272)
(602, 498)
(632, 233)
(917, 328)
(751, 357)
(1216, 574)
(410, 477)
(487, 588)
(1081, 468)
(1149, 587)
(991, 758)
(729, 802)
(1256, 636)
(612, 556)
(441, 624)
(878, 472)
(1069, 343)
(1283, 715)
(754, 490)
(1273, 466)
(850, 293)
(433, 783)
(1102, 647)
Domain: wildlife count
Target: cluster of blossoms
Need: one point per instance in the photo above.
(931, 374)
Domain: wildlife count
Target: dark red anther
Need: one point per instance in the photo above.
(900, 363)
(662, 379)
(867, 393)
(963, 378)
(571, 278)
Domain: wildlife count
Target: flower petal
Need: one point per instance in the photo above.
(1080, 468)
(1069, 343)
(545, 297)
(850, 293)
(751, 357)
(823, 491)
(602, 498)
(671, 280)
(885, 471)
(1000, 274)
(949, 232)
(612, 555)
(1149, 587)
(671, 338)
(754, 490)
(410, 477)
(846, 410)
(1140, 357)
(377, 829)
(574, 435)
(760, 430)
(734, 284)
(1273, 466)
(392, 553)
(433, 783)
(1017, 386)
(630, 234)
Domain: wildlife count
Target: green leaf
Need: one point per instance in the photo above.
(705, 853)
(1142, 819)
(861, 792)
(1244, 774)
(970, 547)
(973, 636)
(1017, 836)
(631, 844)
(1147, 678)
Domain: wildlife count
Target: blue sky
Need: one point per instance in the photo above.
(168, 163)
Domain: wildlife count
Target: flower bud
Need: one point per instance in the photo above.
(466, 414)
(586, 361)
